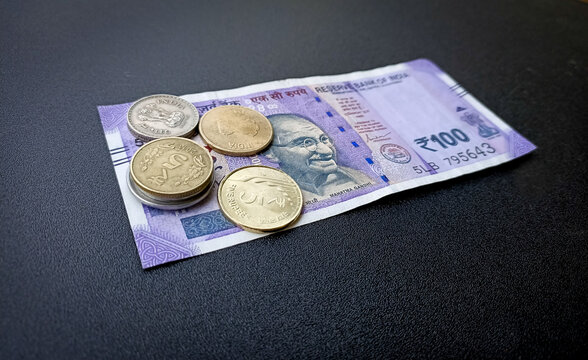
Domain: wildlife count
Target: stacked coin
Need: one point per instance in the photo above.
(260, 198)
(157, 116)
(171, 173)
(235, 130)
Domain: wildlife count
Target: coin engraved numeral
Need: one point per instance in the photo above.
(172, 163)
(261, 200)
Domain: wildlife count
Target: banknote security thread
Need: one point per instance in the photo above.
(260, 198)
(235, 130)
(170, 173)
(159, 116)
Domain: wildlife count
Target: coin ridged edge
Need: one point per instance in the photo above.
(177, 197)
(167, 205)
(228, 152)
(253, 229)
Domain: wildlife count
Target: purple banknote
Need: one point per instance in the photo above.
(347, 140)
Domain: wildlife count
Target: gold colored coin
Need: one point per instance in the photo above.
(235, 130)
(171, 168)
(260, 198)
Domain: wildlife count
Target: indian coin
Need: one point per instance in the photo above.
(166, 205)
(159, 116)
(171, 168)
(260, 198)
(235, 130)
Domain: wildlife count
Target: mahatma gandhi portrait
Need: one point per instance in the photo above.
(308, 155)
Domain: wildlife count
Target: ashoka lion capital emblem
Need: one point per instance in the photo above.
(151, 112)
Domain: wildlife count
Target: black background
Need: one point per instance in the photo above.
(492, 264)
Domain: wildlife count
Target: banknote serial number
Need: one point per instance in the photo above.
(429, 167)
(479, 151)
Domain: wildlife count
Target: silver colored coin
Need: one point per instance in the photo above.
(158, 116)
(167, 204)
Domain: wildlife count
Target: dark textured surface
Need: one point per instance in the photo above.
(491, 265)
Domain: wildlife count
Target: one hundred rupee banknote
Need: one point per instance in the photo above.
(347, 140)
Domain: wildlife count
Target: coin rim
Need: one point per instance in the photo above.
(229, 152)
(175, 195)
(253, 228)
(172, 199)
(146, 137)
(167, 205)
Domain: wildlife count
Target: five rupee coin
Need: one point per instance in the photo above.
(171, 168)
(260, 198)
